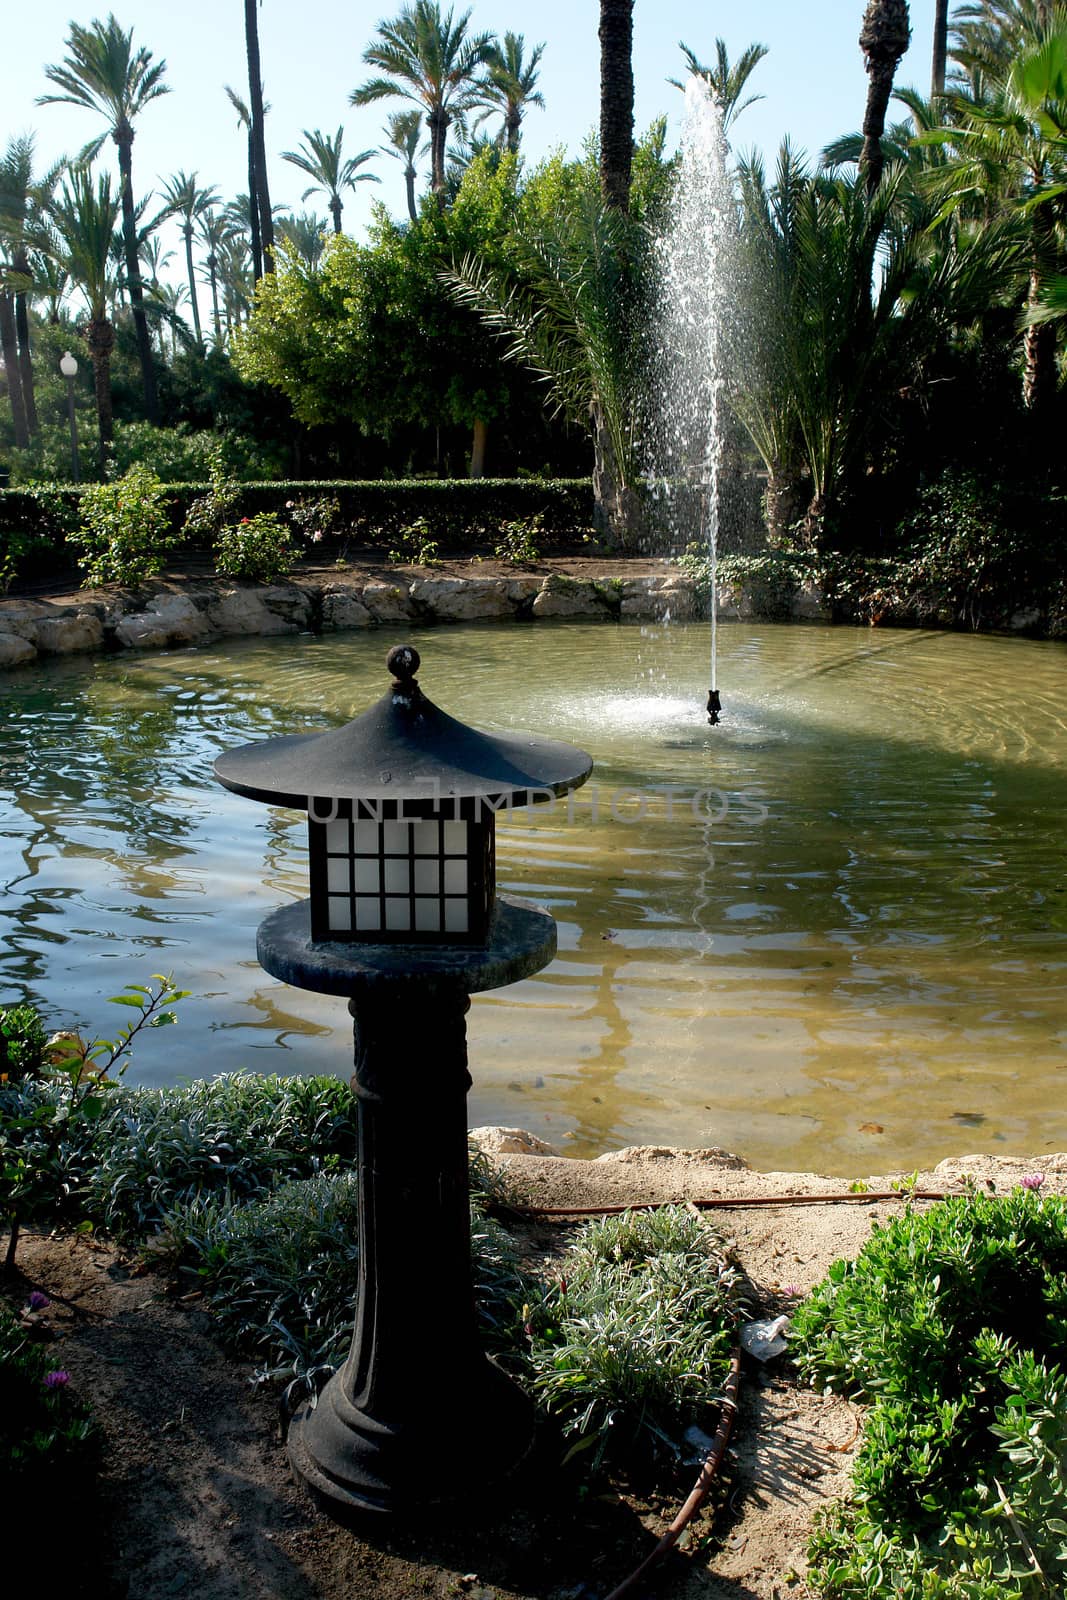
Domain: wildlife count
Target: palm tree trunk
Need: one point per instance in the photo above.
(335, 212)
(253, 212)
(123, 137)
(211, 267)
(478, 444)
(188, 230)
(883, 40)
(783, 503)
(937, 72)
(22, 334)
(1039, 357)
(409, 184)
(617, 510)
(261, 195)
(9, 347)
(512, 125)
(101, 339)
(616, 101)
(438, 121)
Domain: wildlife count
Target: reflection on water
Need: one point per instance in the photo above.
(841, 911)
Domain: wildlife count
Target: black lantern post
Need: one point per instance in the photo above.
(403, 919)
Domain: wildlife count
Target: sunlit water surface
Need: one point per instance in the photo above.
(828, 933)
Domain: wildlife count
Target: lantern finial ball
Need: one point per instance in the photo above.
(403, 663)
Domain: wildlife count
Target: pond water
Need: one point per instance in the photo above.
(829, 933)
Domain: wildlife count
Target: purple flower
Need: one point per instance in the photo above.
(1032, 1180)
(793, 1290)
(56, 1380)
(38, 1301)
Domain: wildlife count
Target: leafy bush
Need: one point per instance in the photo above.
(182, 454)
(315, 519)
(238, 1136)
(258, 547)
(22, 1041)
(415, 547)
(516, 541)
(952, 1325)
(125, 530)
(634, 1343)
(48, 1437)
(279, 1273)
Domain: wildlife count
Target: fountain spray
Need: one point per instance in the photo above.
(697, 282)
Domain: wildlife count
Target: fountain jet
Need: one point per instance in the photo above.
(692, 338)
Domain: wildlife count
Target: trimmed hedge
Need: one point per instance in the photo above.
(459, 512)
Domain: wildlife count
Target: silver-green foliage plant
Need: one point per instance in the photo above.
(260, 548)
(634, 1343)
(125, 529)
(952, 1325)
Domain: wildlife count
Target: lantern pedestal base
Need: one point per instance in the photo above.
(418, 1414)
(480, 1431)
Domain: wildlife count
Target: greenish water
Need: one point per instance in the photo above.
(848, 953)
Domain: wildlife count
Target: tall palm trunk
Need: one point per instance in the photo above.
(212, 267)
(616, 101)
(1039, 355)
(101, 340)
(9, 346)
(21, 264)
(883, 39)
(940, 58)
(255, 237)
(261, 195)
(123, 137)
(188, 231)
(335, 212)
(409, 185)
(437, 122)
(512, 127)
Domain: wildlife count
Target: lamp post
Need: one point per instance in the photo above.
(404, 921)
(69, 368)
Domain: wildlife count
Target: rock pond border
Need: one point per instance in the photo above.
(170, 613)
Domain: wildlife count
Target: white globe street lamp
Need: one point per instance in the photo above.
(69, 368)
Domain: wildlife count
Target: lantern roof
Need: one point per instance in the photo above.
(404, 751)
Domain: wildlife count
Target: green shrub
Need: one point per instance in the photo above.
(237, 1135)
(280, 1272)
(182, 454)
(415, 547)
(259, 547)
(48, 1438)
(634, 1344)
(315, 519)
(516, 541)
(125, 530)
(952, 1325)
(22, 1041)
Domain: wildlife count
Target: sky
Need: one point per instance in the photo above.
(813, 80)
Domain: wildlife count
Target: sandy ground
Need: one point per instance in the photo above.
(197, 1498)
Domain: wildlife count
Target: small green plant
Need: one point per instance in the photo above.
(22, 1043)
(125, 530)
(41, 1117)
(952, 1325)
(48, 1438)
(259, 547)
(516, 541)
(634, 1343)
(415, 547)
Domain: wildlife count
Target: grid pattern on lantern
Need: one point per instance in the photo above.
(397, 877)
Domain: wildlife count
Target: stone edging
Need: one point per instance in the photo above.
(173, 612)
(170, 613)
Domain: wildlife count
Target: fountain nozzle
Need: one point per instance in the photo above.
(714, 706)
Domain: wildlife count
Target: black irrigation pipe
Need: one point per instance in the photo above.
(701, 1489)
(729, 1202)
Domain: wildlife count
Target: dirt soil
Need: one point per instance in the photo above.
(196, 1497)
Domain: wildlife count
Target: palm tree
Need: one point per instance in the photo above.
(184, 198)
(258, 186)
(103, 73)
(404, 130)
(884, 38)
(84, 217)
(321, 159)
(215, 229)
(304, 237)
(251, 221)
(21, 197)
(164, 304)
(563, 308)
(234, 275)
(511, 85)
(726, 82)
(616, 101)
(427, 57)
(1007, 159)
